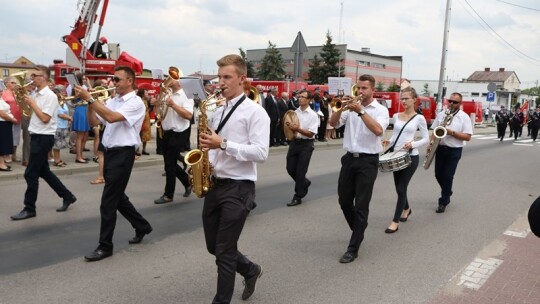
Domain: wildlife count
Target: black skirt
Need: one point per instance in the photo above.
(6, 138)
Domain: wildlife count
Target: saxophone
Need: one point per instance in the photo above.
(439, 132)
(200, 169)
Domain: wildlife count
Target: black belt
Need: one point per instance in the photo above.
(303, 139)
(356, 155)
(227, 181)
(120, 148)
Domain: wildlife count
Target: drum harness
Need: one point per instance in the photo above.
(391, 149)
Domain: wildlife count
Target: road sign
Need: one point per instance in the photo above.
(492, 87)
(299, 47)
(490, 97)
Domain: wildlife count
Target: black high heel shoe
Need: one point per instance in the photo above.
(404, 219)
(388, 230)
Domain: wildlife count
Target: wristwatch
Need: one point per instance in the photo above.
(90, 101)
(362, 112)
(223, 144)
(453, 133)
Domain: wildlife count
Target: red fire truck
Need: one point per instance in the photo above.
(282, 86)
(82, 59)
(392, 102)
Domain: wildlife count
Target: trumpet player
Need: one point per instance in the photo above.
(42, 129)
(176, 133)
(450, 147)
(365, 122)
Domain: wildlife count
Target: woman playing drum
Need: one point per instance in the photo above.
(408, 142)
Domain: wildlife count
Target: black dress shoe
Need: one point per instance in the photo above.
(404, 219)
(188, 191)
(388, 230)
(145, 153)
(163, 199)
(66, 203)
(24, 214)
(441, 209)
(98, 254)
(139, 236)
(249, 284)
(294, 202)
(348, 257)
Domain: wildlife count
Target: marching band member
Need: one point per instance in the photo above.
(365, 123)
(405, 125)
(123, 117)
(448, 154)
(176, 133)
(42, 128)
(238, 141)
(502, 119)
(301, 148)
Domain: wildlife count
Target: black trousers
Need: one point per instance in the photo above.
(117, 171)
(401, 182)
(38, 166)
(501, 130)
(355, 187)
(446, 162)
(534, 132)
(321, 132)
(298, 158)
(173, 143)
(226, 207)
(273, 133)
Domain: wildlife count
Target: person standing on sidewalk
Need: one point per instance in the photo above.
(238, 141)
(365, 122)
(301, 147)
(458, 132)
(42, 129)
(176, 132)
(123, 117)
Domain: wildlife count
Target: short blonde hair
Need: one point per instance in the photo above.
(236, 60)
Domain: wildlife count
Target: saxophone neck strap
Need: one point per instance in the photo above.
(223, 121)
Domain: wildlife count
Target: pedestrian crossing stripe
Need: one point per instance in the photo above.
(519, 142)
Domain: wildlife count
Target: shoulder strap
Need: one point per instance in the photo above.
(395, 141)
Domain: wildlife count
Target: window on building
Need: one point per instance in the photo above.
(5, 73)
(475, 94)
(379, 65)
(363, 63)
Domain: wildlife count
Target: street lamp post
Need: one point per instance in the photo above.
(357, 64)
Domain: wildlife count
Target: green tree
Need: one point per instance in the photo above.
(379, 87)
(250, 69)
(426, 91)
(332, 59)
(316, 74)
(393, 87)
(272, 64)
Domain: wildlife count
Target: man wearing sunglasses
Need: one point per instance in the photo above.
(42, 129)
(448, 153)
(123, 118)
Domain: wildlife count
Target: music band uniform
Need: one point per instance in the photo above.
(300, 151)
(42, 133)
(448, 154)
(239, 142)
(502, 118)
(120, 139)
(359, 168)
(176, 132)
(535, 123)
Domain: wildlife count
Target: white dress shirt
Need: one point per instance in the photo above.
(126, 132)
(357, 138)
(408, 134)
(247, 132)
(47, 101)
(461, 123)
(309, 120)
(173, 121)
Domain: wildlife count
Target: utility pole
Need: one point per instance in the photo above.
(340, 37)
(444, 52)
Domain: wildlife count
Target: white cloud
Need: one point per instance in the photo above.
(193, 34)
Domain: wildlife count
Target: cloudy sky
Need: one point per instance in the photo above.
(193, 34)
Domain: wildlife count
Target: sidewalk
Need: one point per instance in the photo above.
(153, 159)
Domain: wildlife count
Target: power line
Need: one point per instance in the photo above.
(529, 8)
(492, 31)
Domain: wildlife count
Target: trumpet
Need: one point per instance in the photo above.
(339, 104)
(101, 93)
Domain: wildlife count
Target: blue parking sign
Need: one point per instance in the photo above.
(490, 97)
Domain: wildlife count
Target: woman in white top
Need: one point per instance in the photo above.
(6, 134)
(408, 142)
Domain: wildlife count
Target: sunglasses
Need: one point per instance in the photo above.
(36, 75)
(454, 101)
(116, 79)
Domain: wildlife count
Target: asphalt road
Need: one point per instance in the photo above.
(41, 259)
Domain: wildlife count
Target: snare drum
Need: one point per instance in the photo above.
(394, 161)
